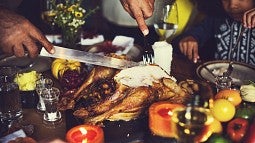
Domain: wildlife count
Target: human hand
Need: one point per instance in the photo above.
(139, 10)
(189, 47)
(249, 18)
(18, 35)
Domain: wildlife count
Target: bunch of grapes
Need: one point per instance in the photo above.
(71, 79)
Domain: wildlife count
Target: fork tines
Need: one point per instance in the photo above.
(148, 56)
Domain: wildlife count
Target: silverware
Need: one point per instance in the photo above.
(229, 70)
(148, 55)
(89, 58)
(230, 66)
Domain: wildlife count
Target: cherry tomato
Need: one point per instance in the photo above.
(237, 128)
(250, 135)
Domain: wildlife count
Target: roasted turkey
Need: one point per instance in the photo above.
(110, 94)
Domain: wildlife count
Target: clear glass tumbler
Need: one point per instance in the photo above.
(50, 97)
(40, 85)
(10, 99)
(190, 121)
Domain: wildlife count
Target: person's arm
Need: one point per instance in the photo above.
(195, 38)
(139, 10)
(18, 35)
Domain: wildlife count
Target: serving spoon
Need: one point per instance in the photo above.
(230, 65)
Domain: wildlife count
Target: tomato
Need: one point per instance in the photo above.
(231, 95)
(250, 135)
(223, 110)
(237, 128)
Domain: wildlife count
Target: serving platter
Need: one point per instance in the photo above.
(39, 64)
(134, 53)
(241, 74)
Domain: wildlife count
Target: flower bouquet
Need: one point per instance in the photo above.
(70, 16)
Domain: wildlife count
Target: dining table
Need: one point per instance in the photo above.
(136, 131)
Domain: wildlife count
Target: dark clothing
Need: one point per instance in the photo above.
(225, 32)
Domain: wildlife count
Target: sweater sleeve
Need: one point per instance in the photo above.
(202, 32)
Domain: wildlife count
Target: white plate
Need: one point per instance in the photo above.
(241, 73)
(41, 64)
(134, 53)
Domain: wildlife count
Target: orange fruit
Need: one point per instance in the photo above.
(223, 110)
(231, 95)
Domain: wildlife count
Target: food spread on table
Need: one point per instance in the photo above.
(96, 94)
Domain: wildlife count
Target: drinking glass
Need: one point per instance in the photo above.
(52, 115)
(10, 99)
(223, 82)
(166, 21)
(190, 121)
(41, 84)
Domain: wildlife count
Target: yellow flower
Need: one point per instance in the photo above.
(71, 8)
(78, 14)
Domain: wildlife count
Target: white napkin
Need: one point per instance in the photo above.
(123, 41)
(54, 38)
(92, 41)
(163, 55)
(13, 136)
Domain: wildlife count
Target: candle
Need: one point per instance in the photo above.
(85, 134)
(160, 121)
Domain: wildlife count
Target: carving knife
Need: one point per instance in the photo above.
(89, 58)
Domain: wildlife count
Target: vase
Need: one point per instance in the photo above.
(70, 38)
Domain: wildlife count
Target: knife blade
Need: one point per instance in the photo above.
(89, 58)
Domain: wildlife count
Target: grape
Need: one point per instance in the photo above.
(71, 79)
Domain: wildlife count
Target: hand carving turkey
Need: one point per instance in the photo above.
(110, 94)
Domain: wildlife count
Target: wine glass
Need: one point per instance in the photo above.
(166, 21)
(48, 13)
(190, 121)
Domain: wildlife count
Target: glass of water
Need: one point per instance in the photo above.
(50, 98)
(40, 85)
(10, 99)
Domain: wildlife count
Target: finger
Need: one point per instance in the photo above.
(38, 36)
(18, 50)
(190, 53)
(253, 22)
(31, 47)
(182, 47)
(248, 18)
(195, 54)
(245, 20)
(139, 17)
(252, 19)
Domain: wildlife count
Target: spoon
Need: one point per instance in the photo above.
(230, 66)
